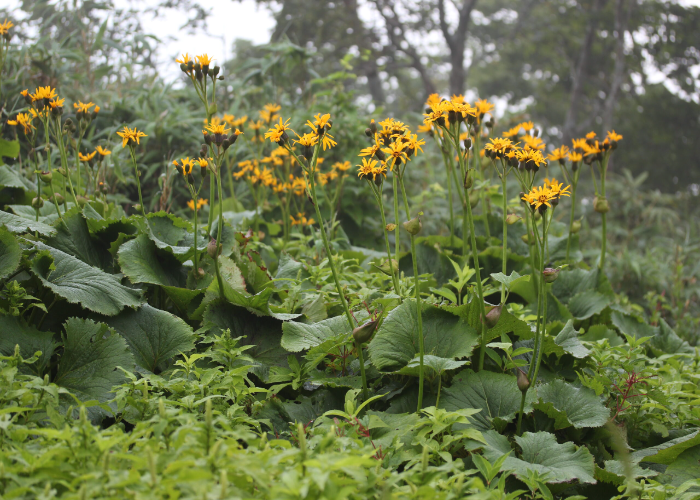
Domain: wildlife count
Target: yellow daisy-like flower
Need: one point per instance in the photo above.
(130, 136)
(500, 145)
(87, 157)
(396, 151)
(276, 133)
(613, 136)
(255, 125)
(204, 60)
(424, 129)
(102, 151)
(82, 107)
(24, 120)
(200, 203)
(328, 141)
(5, 27)
(307, 140)
(592, 149)
(342, 166)
(591, 135)
(43, 93)
(559, 154)
(512, 132)
(319, 123)
(578, 143)
(371, 150)
(526, 126)
(539, 196)
(557, 188)
(184, 59)
(366, 168)
(483, 106)
(413, 144)
(56, 103)
(203, 162)
(575, 157)
(272, 108)
(185, 165)
(532, 142)
(531, 157)
(432, 100)
(216, 128)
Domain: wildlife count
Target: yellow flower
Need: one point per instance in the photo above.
(558, 154)
(526, 126)
(43, 93)
(592, 149)
(613, 136)
(24, 93)
(343, 167)
(512, 132)
(255, 125)
(591, 135)
(500, 145)
(307, 140)
(87, 157)
(216, 128)
(184, 59)
(578, 143)
(24, 120)
(5, 27)
(204, 60)
(437, 115)
(371, 150)
(574, 157)
(319, 123)
(272, 108)
(278, 131)
(483, 106)
(328, 141)
(200, 203)
(185, 165)
(203, 162)
(556, 188)
(371, 168)
(56, 103)
(83, 107)
(532, 142)
(531, 157)
(103, 151)
(432, 100)
(301, 220)
(538, 196)
(413, 143)
(396, 151)
(424, 129)
(130, 136)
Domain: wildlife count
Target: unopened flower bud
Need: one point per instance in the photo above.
(576, 227)
(137, 207)
(528, 239)
(523, 381)
(473, 199)
(512, 219)
(601, 205)
(364, 332)
(550, 274)
(58, 198)
(212, 249)
(388, 266)
(413, 226)
(46, 177)
(373, 127)
(468, 180)
(37, 202)
(493, 316)
(82, 201)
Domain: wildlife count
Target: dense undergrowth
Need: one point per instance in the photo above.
(252, 315)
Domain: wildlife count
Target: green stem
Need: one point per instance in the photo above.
(573, 212)
(604, 236)
(394, 278)
(196, 263)
(219, 236)
(505, 232)
(138, 180)
(419, 312)
(212, 196)
(396, 216)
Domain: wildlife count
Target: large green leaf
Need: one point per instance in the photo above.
(18, 225)
(631, 325)
(433, 365)
(91, 354)
(541, 453)
(8, 148)
(666, 341)
(142, 262)
(667, 452)
(575, 281)
(173, 234)
(585, 304)
(30, 340)
(47, 214)
(10, 253)
(154, 336)
(73, 237)
(396, 342)
(685, 467)
(569, 341)
(496, 394)
(297, 337)
(571, 406)
(507, 324)
(79, 283)
(9, 178)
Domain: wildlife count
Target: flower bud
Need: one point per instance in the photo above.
(528, 239)
(37, 202)
(46, 177)
(368, 132)
(413, 226)
(493, 316)
(137, 207)
(390, 227)
(473, 199)
(364, 332)
(58, 198)
(523, 381)
(82, 201)
(512, 219)
(468, 180)
(468, 143)
(550, 274)
(388, 267)
(212, 249)
(373, 127)
(576, 227)
(104, 187)
(190, 179)
(601, 205)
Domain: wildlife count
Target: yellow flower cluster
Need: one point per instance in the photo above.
(337, 171)
(130, 136)
(301, 220)
(544, 196)
(5, 27)
(200, 203)
(588, 146)
(25, 121)
(392, 144)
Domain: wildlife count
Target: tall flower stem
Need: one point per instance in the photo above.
(377, 190)
(220, 230)
(138, 180)
(450, 175)
(419, 308)
(64, 163)
(49, 164)
(326, 246)
(196, 260)
(574, 184)
(397, 242)
(504, 182)
(604, 236)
